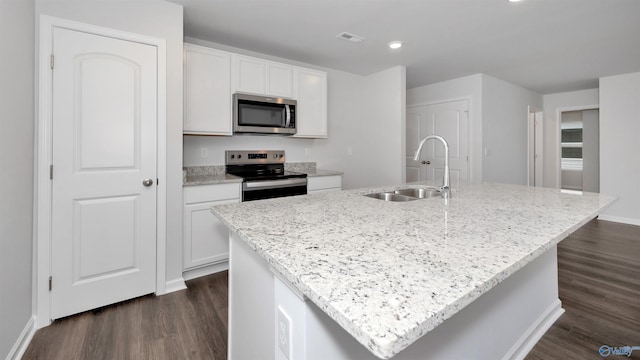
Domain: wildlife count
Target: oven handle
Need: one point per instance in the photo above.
(288, 122)
(272, 184)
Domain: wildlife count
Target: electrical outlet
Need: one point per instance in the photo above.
(203, 152)
(284, 332)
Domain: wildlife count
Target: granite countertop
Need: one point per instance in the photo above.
(389, 272)
(210, 175)
(207, 175)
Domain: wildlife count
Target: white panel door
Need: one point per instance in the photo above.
(449, 120)
(416, 131)
(104, 146)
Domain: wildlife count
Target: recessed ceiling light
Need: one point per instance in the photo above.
(515, 0)
(395, 44)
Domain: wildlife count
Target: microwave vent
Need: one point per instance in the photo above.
(350, 37)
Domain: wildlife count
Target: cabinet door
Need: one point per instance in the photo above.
(207, 91)
(310, 89)
(279, 79)
(324, 183)
(249, 74)
(206, 239)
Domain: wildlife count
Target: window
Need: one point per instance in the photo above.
(571, 149)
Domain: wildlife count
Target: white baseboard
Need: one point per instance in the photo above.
(619, 219)
(23, 340)
(174, 285)
(205, 270)
(528, 340)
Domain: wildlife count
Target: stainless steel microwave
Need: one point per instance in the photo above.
(254, 114)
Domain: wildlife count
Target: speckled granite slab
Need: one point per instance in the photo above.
(209, 175)
(389, 272)
(310, 169)
(206, 175)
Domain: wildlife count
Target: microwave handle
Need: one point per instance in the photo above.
(288, 118)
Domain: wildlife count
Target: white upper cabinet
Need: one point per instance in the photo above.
(310, 90)
(207, 91)
(262, 77)
(211, 77)
(249, 74)
(279, 79)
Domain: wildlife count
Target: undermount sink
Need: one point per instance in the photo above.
(420, 193)
(408, 194)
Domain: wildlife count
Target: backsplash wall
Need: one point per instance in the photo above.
(296, 150)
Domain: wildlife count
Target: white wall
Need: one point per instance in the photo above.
(163, 20)
(353, 122)
(553, 105)
(469, 87)
(505, 114)
(620, 145)
(16, 171)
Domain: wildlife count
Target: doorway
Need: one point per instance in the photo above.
(449, 120)
(99, 237)
(580, 150)
(535, 145)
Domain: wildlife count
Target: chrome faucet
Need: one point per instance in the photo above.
(446, 186)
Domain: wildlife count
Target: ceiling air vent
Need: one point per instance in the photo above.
(350, 37)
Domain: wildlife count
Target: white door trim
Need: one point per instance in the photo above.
(558, 146)
(43, 146)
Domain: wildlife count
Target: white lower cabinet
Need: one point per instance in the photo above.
(206, 239)
(318, 184)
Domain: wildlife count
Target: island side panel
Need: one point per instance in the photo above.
(504, 323)
(251, 304)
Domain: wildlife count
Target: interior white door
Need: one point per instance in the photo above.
(103, 246)
(416, 131)
(449, 120)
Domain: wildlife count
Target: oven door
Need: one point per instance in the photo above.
(258, 114)
(267, 189)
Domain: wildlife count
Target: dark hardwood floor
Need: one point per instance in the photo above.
(599, 276)
(189, 324)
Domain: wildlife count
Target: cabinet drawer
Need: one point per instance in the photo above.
(324, 182)
(206, 193)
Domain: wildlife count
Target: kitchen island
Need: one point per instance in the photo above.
(343, 276)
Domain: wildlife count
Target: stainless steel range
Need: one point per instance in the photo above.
(263, 174)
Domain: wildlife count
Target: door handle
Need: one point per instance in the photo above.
(427, 162)
(147, 182)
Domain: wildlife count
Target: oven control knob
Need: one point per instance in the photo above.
(275, 156)
(233, 156)
(281, 156)
(239, 156)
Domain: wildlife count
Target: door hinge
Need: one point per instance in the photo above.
(51, 61)
(51, 172)
(50, 282)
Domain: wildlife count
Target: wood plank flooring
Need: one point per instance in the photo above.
(189, 324)
(599, 276)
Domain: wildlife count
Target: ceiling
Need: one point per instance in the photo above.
(547, 46)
